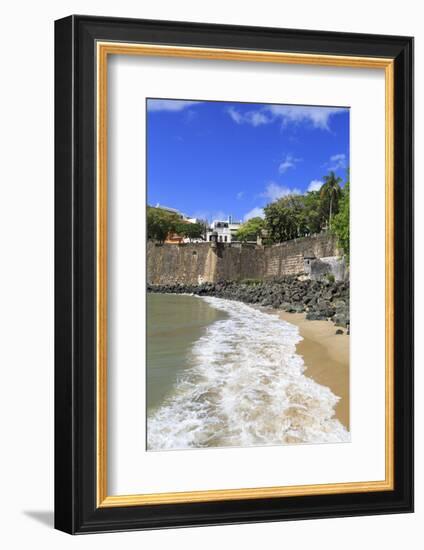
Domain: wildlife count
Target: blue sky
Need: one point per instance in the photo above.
(215, 159)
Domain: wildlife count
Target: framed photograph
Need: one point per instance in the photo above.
(234, 274)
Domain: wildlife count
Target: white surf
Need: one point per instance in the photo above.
(245, 386)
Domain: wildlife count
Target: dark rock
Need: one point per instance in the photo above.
(341, 320)
(319, 299)
(313, 316)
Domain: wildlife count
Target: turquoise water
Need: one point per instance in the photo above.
(174, 323)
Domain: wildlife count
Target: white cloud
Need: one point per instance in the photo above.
(254, 118)
(240, 195)
(274, 191)
(289, 162)
(169, 104)
(337, 162)
(235, 115)
(256, 212)
(318, 117)
(315, 185)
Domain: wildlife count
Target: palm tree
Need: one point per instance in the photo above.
(332, 190)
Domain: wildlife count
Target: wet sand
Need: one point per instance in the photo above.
(326, 356)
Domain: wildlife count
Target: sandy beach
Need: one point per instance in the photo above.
(326, 356)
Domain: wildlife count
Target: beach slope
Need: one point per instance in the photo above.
(326, 356)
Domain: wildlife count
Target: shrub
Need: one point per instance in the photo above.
(251, 282)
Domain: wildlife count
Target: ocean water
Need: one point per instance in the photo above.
(174, 324)
(234, 380)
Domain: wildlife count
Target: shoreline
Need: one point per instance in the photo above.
(325, 353)
(319, 299)
(326, 357)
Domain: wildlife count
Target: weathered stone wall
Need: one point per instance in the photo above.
(186, 263)
(318, 269)
(200, 262)
(288, 258)
(237, 262)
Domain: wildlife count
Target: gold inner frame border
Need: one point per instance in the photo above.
(103, 50)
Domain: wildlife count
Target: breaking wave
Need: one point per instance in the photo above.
(245, 386)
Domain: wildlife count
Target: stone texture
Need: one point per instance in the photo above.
(320, 300)
(200, 262)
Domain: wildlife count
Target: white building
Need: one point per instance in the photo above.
(225, 230)
(234, 227)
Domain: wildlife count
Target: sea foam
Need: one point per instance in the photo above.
(245, 386)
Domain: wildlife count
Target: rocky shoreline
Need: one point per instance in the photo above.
(319, 300)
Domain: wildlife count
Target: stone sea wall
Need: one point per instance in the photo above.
(197, 263)
(320, 300)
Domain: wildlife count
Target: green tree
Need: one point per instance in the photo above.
(340, 226)
(189, 230)
(160, 223)
(249, 230)
(286, 218)
(314, 217)
(331, 190)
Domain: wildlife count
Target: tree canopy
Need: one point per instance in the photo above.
(189, 230)
(286, 218)
(160, 223)
(340, 225)
(296, 216)
(331, 191)
(250, 229)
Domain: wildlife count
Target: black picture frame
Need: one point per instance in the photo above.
(76, 510)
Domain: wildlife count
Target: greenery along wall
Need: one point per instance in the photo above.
(287, 218)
